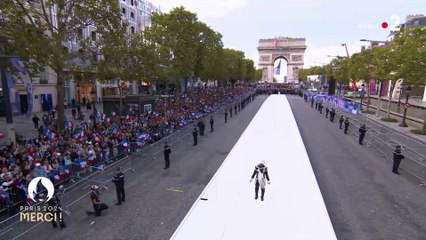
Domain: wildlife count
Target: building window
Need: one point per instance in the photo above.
(132, 29)
(123, 10)
(131, 2)
(93, 36)
(132, 15)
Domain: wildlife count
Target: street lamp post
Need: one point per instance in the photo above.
(346, 48)
(399, 97)
(407, 95)
(379, 104)
(362, 94)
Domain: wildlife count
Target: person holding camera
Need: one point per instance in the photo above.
(98, 206)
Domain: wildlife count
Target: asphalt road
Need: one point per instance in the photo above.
(365, 200)
(157, 200)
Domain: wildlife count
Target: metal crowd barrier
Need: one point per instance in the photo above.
(152, 150)
(77, 182)
(12, 227)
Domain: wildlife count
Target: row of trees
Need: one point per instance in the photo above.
(404, 57)
(177, 46)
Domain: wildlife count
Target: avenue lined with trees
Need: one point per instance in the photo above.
(176, 48)
(404, 57)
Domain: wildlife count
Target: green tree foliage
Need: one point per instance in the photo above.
(235, 64)
(409, 55)
(209, 53)
(404, 57)
(258, 74)
(38, 36)
(250, 71)
(314, 70)
(339, 69)
(385, 62)
(188, 47)
(177, 34)
(126, 57)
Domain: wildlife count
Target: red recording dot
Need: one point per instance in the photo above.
(384, 25)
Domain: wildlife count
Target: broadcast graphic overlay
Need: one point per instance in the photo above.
(40, 190)
(392, 25)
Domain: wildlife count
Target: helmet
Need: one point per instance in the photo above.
(95, 187)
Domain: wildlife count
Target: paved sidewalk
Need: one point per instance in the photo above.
(374, 122)
(395, 127)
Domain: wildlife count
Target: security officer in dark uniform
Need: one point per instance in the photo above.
(320, 106)
(397, 157)
(55, 208)
(195, 135)
(332, 114)
(235, 108)
(226, 115)
(211, 123)
(118, 180)
(346, 125)
(362, 131)
(202, 127)
(327, 110)
(230, 111)
(167, 152)
(341, 120)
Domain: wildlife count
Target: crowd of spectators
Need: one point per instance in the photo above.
(86, 144)
(275, 88)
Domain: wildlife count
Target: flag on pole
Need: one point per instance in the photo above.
(23, 74)
(278, 69)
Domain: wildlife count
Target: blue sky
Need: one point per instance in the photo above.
(324, 23)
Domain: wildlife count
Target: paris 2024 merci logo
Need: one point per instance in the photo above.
(46, 183)
(40, 212)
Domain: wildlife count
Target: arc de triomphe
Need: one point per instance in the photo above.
(291, 49)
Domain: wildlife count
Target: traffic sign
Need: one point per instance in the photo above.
(407, 105)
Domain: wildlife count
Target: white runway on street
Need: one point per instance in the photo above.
(293, 206)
